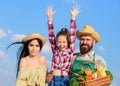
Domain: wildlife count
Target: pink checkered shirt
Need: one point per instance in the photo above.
(62, 60)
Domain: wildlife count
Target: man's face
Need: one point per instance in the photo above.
(86, 44)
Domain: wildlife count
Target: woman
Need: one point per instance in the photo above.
(31, 69)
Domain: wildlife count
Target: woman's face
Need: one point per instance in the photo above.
(34, 48)
(62, 43)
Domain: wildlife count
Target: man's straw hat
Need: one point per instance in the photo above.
(89, 31)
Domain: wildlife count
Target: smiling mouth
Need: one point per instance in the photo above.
(84, 45)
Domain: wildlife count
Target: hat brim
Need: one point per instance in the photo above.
(94, 35)
(33, 36)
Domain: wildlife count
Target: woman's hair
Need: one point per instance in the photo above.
(23, 50)
(64, 32)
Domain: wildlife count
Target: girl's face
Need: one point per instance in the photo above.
(62, 42)
(34, 48)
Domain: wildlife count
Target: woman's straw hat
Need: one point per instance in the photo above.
(34, 35)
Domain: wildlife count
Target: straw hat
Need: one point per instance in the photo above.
(34, 35)
(88, 30)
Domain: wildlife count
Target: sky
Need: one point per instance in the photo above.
(19, 18)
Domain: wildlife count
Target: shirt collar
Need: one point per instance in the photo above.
(90, 54)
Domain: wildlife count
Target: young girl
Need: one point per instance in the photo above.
(62, 47)
(31, 69)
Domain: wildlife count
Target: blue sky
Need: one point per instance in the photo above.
(21, 17)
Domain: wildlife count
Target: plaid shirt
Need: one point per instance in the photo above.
(62, 60)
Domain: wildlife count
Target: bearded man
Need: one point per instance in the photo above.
(88, 37)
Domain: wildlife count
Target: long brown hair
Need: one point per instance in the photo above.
(23, 50)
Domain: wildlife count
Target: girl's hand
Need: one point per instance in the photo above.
(74, 12)
(49, 12)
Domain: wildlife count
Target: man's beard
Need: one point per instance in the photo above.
(84, 50)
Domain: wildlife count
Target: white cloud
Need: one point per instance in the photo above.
(10, 31)
(2, 33)
(1, 45)
(46, 48)
(2, 84)
(73, 1)
(7, 73)
(5, 81)
(101, 48)
(2, 55)
(49, 65)
(113, 84)
(48, 62)
(17, 37)
(3, 58)
(117, 75)
(77, 50)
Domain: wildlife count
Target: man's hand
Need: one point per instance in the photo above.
(49, 77)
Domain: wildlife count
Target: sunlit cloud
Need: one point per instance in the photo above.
(72, 1)
(1, 45)
(48, 62)
(101, 48)
(17, 37)
(117, 75)
(2, 84)
(2, 33)
(49, 65)
(77, 50)
(2, 55)
(6, 73)
(9, 31)
(113, 84)
(3, 58)
(46, 48)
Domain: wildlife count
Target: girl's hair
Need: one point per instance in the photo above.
(23, 50)
(64, 32)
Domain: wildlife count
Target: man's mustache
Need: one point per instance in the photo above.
(83, 44)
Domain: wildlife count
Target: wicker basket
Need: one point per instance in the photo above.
(99, 81)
